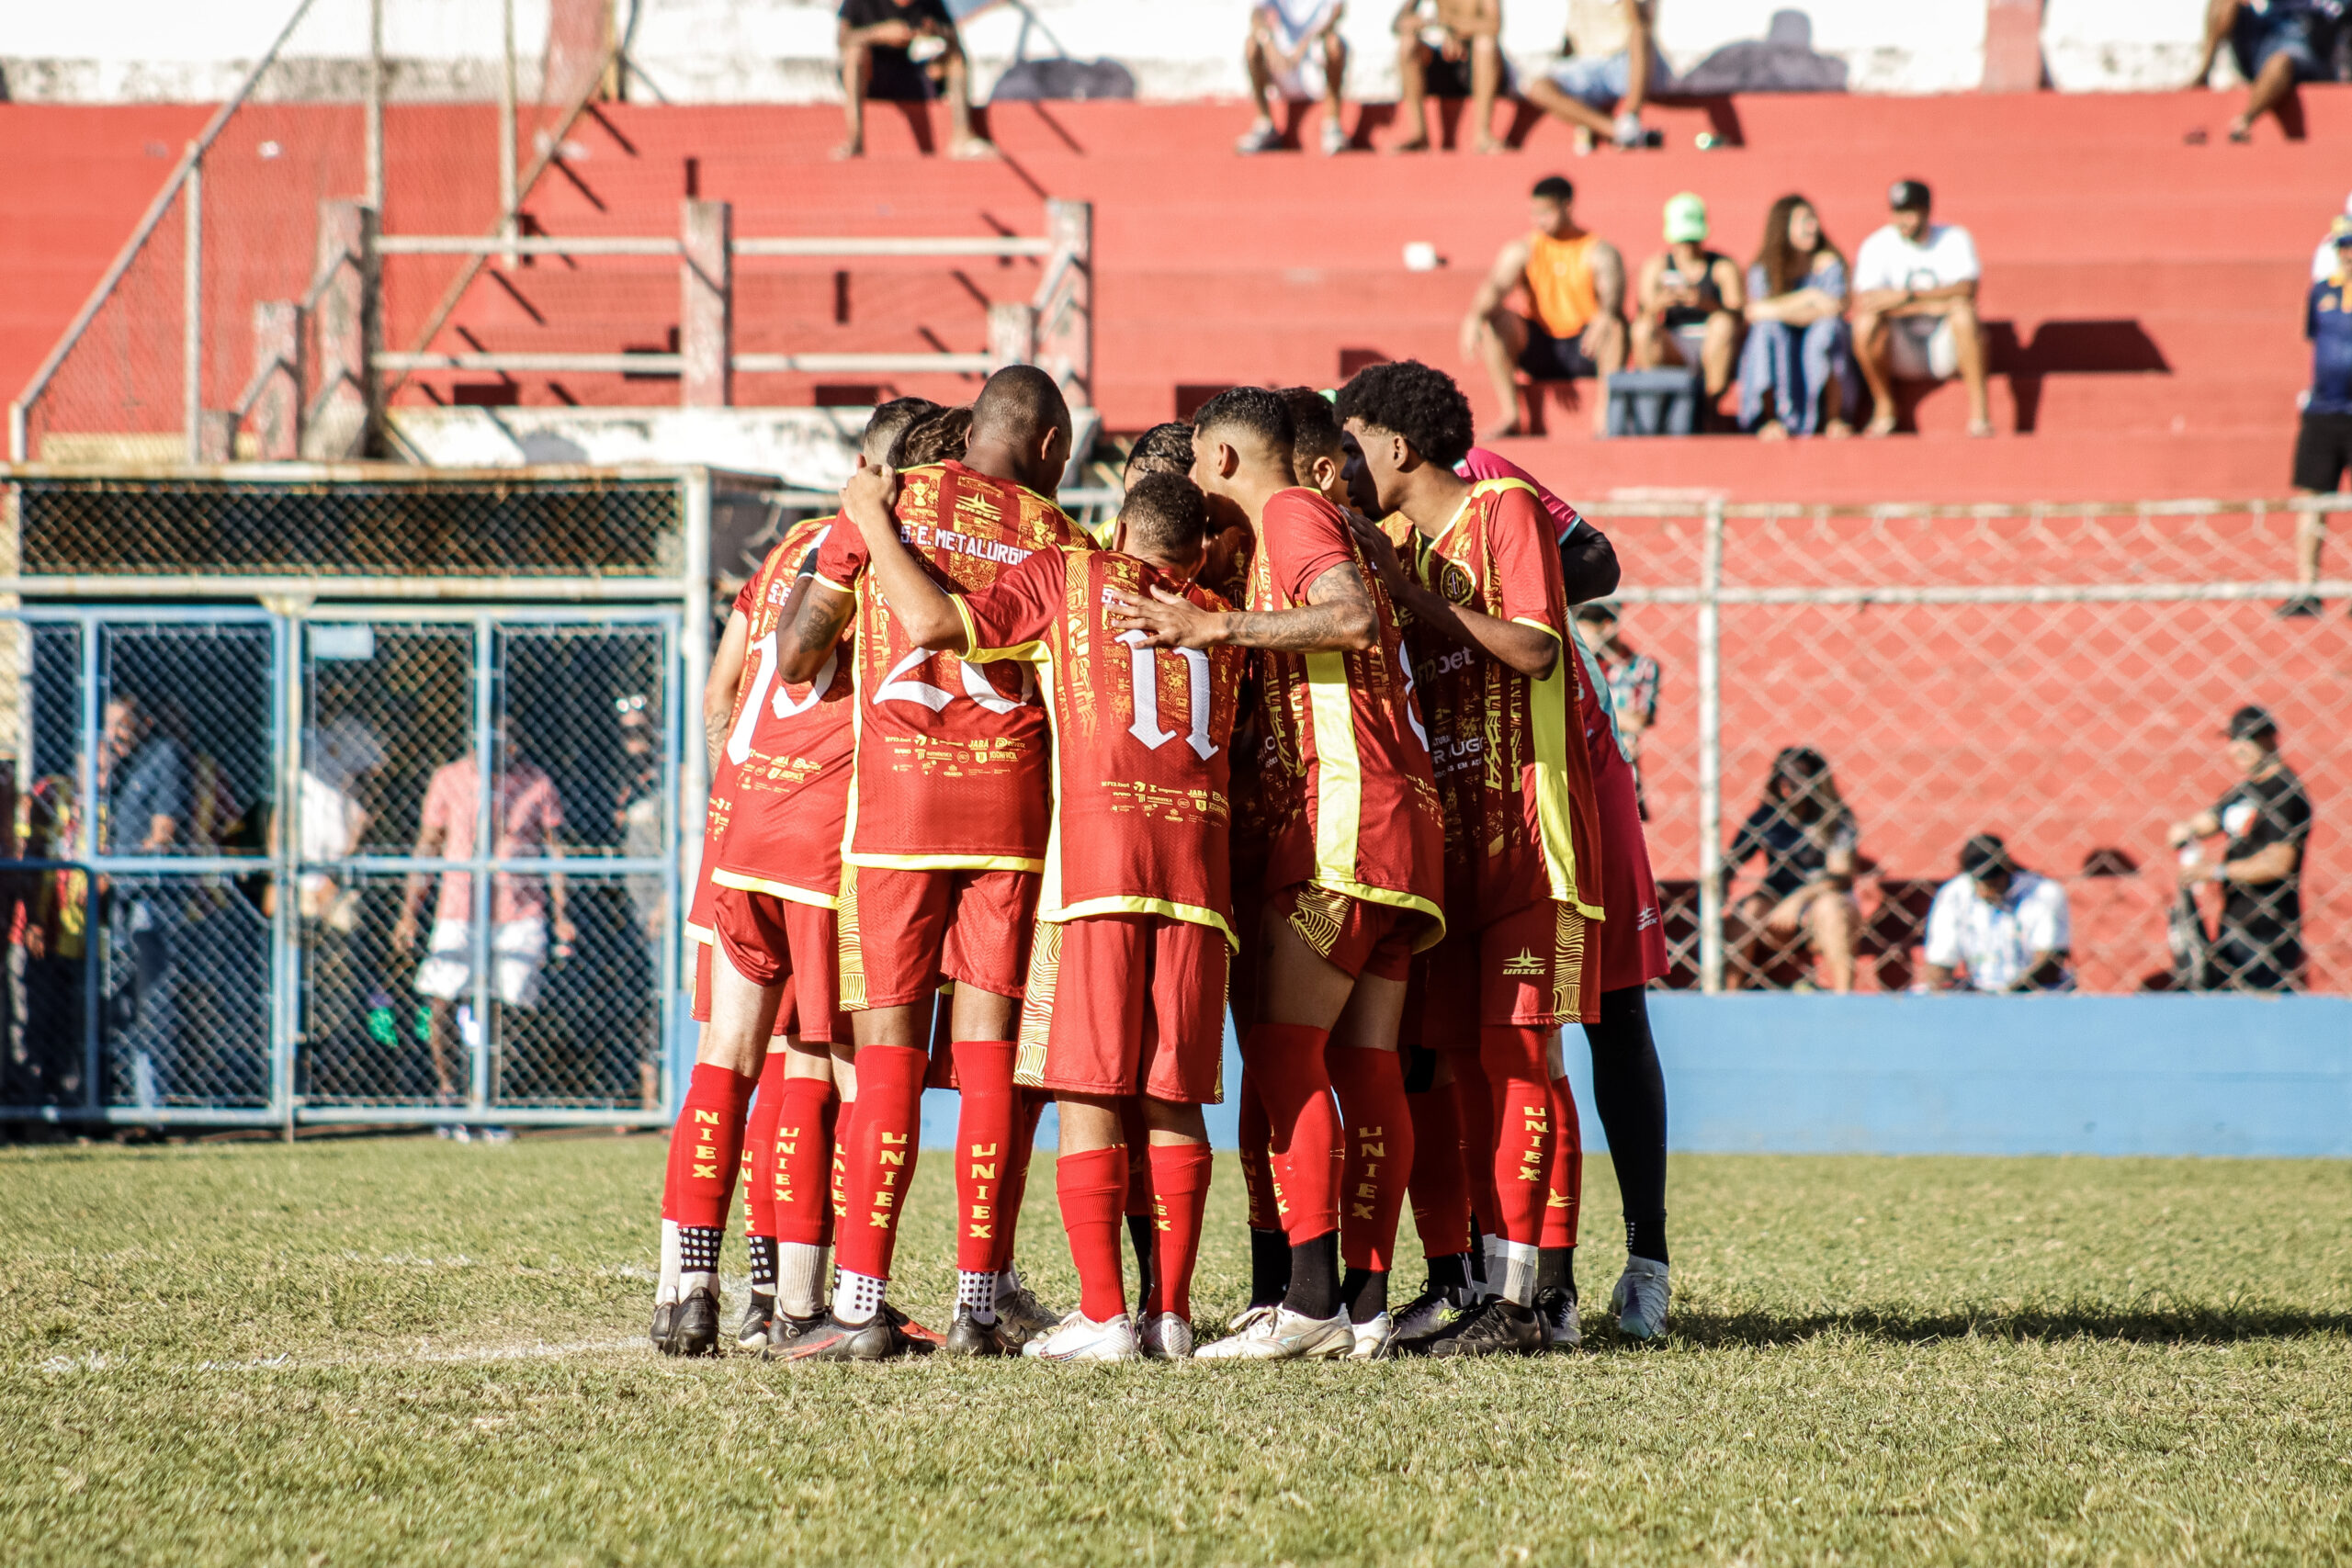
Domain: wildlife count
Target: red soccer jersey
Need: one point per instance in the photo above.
(1142, 740)
(951, 764)
(1511, 765)
(789, 750)
(720, 807)
(1350, 802)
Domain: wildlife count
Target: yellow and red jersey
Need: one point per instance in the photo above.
(721, 809)
(951, 757)
(1142, 738)
(787, 751)
(1351, 802)
(1512, 769)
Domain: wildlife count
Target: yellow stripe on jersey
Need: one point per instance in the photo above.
(1550, 702)
(743, 882)
(1339, 791)
(1120, 904)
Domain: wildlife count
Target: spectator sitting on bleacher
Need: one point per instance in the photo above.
(1449, 49)
(1914, 308)
(905, 51)
(1799, 351)
(1810, 843)
(1283, 35)
(1996, 926)
(1575, 283)
(2276, 43)
(1687, 308)
(1604, 76)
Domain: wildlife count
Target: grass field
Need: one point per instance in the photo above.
(400, 1350)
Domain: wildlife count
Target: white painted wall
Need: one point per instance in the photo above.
(782, 50)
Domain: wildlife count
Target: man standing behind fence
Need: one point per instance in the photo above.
(2268, 817)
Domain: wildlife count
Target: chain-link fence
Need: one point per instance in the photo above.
(1847, 696)
(419, 114)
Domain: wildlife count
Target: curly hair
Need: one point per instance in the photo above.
(1166, 514)
(1406, 398)
(1162, 449)
(888, 421)
(1261, 414)
(934, 437)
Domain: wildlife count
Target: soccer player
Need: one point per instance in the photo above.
(1127, 980)
(1499, 689)
(941, 856)
(712, 1124)
(1354, 872)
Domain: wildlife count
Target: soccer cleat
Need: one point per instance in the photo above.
(1166, 1337)
(665, 1327)
(1428, 1316)
(829, 1340)
(787, 1331)
(1375, 1340)
(970, 1337)
(1640, 1299)
(1080, 1339)
(1499, 1328)
(1286, 1336)
(1024, 1316)
(913, 1337)
(759, 1317)
(694, 1325)
(1250, 1316)
(1557, 1310)
(1260, 138)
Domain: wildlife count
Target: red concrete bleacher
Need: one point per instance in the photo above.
(2146, 293)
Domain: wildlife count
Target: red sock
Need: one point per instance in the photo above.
(1137, 1132)
(705, 1147)
(1287, 1061)
(1257, 1169)
(879, 1164)
(1475, 1099)
(983, 1147)
(1441, 1192)
(1180, 1192)
(1564, 1188)
(1093, 1186)
(800, 1177)
(1031, 1106)
(1521, 1097)
(759, 1148)
(1376, 1154)
(844, 1115)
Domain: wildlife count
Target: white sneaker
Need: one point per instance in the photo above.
(1166, 1337)
(1286, 1336)
(1373, 1339)
(1335, 140)
(1639, 1301)
(1261, 138)
(1248, 1318)
(1080, 1339)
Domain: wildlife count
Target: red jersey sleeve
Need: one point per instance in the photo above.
(840, 559)
(1305, 537)
(747, 596)
(1018, 610)
(1527, 563)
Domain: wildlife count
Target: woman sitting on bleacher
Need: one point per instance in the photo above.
(1809, 839)
(1800, 354)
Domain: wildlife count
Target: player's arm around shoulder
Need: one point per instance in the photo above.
(927, 613)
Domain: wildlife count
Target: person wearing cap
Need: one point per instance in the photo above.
(2323, 258)
(1575, 324)
(1632, 678)
(2275, 44)
(1914, 308)
(2266, 819)
(2323, 441)
(1605, 74)
(1687, 301)
(1996, 926)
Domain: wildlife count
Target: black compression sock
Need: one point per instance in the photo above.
(763, 1250)
(1555, 1269)
(1269, 1268)
(1314, 1277)
(1629, 1093)
(1142, 1235)
(698, 1248)
(1450, 1273)
(1366, 1293)
(1645, 1236)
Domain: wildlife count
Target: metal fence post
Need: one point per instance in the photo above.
(93, 927)
(507, 125)
(487, 759)
(1710, 758)
(694, 764)
(192, 307)
(372, 117)
(285, 956)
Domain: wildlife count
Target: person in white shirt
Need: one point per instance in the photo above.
(2325, 260)
(1996, 927)
(1284, 36)
(1914, 308)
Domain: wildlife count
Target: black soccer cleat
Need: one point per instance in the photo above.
(829, 1340)
(913, 1337)
(665, 1327)
(1555, 1309)
(968, 1336)
(785, 1331)
(694, 1330)
(1499, 1328)
(1423, 1321)
(759, 1319)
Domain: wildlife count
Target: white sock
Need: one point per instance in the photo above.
(856, 1297)
(976, 1290)
(1511, 1271)
(667, 1290)
(800, 1277)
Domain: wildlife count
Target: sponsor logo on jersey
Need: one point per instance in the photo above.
(1522, 962)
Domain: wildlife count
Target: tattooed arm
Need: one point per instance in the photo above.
(1338, 616)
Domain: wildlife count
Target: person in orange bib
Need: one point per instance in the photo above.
(1574, 327)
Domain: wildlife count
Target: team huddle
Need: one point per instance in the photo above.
(1004, 808)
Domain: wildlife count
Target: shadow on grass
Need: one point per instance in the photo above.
(2139, 1325)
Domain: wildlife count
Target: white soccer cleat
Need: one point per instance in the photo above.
(1166, 1337)
(1286, 1336)
(1248, 1318)
(1080, 1339)
(1374, 1341)
(1640, 1299)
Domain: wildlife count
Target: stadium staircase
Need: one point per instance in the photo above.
(2145, 294)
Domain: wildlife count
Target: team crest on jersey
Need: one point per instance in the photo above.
(1456, 583)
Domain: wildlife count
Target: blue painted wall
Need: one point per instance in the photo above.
(2223, 1076)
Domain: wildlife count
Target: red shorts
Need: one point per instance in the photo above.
(1534, 968)
(1632, 939)
(1125, 1004)
(903, 932)
(782, 942)
(1354, 934)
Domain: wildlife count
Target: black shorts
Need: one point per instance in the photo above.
(1549, 358)
(1444, 78)
(2322, 451)
(896, 79)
